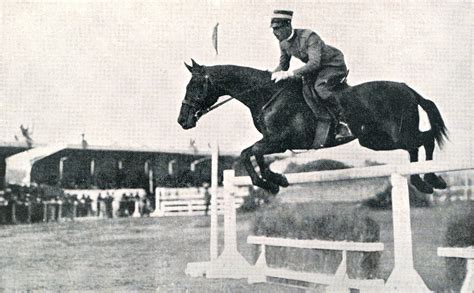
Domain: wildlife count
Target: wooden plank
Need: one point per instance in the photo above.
(316, 244)
(367, 172)
(320, 278)
(461, 252)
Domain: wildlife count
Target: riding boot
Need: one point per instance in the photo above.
(322, 115)
(342, 129)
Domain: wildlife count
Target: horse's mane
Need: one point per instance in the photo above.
(246, 71)
(252, 77)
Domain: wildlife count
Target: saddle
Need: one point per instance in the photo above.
(321, 109)
(324, 111)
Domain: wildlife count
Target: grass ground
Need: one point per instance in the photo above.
(148, 254)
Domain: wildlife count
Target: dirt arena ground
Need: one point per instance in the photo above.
(150, 254)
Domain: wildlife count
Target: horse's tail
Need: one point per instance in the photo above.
(438, 128)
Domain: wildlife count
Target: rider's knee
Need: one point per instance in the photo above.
(322, 89)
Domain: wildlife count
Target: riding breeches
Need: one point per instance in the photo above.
(317, 89)
(327, 79)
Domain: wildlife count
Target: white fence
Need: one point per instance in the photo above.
(468, 254)
(335, 283)
(453, 194)
(189, 201)
(404, 277)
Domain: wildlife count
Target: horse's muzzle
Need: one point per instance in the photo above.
(187, 122)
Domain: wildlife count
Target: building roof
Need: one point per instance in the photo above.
(122, 148)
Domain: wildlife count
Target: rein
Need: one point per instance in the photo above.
(201, 113)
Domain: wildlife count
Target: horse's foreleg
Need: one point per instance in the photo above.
(269, 174)
(245, 157)
(431, 178)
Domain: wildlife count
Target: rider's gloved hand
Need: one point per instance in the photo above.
(281, 75)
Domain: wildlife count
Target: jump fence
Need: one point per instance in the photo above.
(336, 283)
(468, 254)
(404, 277)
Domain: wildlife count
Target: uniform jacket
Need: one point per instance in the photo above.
(307, 46)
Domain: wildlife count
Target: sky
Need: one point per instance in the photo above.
(114, 70)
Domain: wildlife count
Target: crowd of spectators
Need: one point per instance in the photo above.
(128, 204)
(42, 203)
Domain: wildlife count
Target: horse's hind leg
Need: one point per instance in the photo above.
(268, 174)
(432, 179)
(416, 180)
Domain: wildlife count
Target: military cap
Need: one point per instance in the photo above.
(281, 18)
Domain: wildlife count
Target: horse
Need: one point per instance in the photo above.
(382, 115)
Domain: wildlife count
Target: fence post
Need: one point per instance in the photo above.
(196, 269)
(230, 264)
(190, 208)
(340, 276)
(404, 277)
(466, 253)
(259, 269)
(214, 217)
(468, 285)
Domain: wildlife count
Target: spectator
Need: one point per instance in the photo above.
(108, 206)
(145, 207)
(131, 204)
(3, 210)
(88, 206)
(82, 206)
(99, 205)
(123, 206)
(207, 198)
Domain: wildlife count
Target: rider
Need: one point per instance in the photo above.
(324, 65)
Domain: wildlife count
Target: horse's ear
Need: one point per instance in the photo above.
(189, 67)
(195, 65)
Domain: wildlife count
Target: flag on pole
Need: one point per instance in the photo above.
(214, 38)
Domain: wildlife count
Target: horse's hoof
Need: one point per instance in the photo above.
(282, 181)
(421, 185)
(272, 188)
(437, 182)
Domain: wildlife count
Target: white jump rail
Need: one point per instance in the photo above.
(468, 254)
(404, 277)
(339, 282)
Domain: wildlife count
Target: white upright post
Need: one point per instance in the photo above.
(468, 254)
(404, 277)
(150, 180)
(214, 218)
(199, 269)
(230, 264)
(468, 285)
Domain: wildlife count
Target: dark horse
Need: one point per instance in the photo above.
(382, 115)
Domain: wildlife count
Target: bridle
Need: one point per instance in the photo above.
(204, 110)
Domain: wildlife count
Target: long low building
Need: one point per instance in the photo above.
(73, 166)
